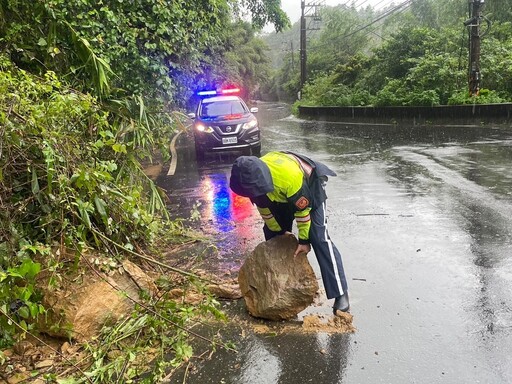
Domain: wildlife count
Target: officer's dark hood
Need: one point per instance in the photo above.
(250, 177)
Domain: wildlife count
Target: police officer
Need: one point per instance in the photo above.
(286, 186)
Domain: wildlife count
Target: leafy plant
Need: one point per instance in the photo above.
(19, 300)
(86, 90)
(141, 348)
(485, 96)
(69, 171)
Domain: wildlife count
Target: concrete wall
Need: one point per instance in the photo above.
(478, 114)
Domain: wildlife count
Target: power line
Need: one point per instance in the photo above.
(397, 13)
(397, 9)
(374, 29)
(347, 6)
(384, 15)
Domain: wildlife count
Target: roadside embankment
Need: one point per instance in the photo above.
(477, 114)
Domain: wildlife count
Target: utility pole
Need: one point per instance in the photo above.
(303, 30)
(293, 55)
(289, 53)
(302, 44)
(473, 24)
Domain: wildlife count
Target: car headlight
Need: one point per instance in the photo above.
(204, 128)
(250, 124)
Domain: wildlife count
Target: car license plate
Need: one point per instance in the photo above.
(229, 140)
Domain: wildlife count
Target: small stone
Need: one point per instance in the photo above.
(18, 378)
(43, 364)
(21, 347)
(225, 291)
(64, 347)
(7, 352)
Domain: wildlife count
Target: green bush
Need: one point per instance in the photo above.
(360, 97)
(70, 176)
(427, 98)
(485, 96)
(393, 94)
(19, 300)
(322, 91)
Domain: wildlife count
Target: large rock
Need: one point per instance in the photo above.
(275, 284)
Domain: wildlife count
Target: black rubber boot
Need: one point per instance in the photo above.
(341, 303)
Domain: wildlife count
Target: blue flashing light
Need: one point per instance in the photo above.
(206, 93)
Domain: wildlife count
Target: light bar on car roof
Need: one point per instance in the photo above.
(227, 91)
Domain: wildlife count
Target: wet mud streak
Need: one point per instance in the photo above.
(341, 323)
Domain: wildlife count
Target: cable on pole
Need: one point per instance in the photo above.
(475, 34)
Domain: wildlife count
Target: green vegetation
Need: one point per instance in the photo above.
(408, 54)
(90, 91)
(71, 183)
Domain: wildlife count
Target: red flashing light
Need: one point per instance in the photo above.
(230, 91)
(233, 116)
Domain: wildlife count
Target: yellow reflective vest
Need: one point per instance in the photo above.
(289, 176)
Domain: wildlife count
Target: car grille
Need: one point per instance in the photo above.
(227, 129)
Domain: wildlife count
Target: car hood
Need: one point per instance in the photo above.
(235, 118)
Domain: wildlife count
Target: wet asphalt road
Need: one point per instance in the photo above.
(423, 218)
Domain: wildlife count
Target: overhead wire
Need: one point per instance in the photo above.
(394, 14)
(384, 15)
(397, 9)
(348, 5)
(376, 27)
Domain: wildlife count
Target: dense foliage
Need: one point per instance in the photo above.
(87, 90)
(68, 177)
(411, 53)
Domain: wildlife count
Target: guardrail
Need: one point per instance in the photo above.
(478, 114)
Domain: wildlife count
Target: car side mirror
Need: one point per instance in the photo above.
(191, 115)
(254, 110)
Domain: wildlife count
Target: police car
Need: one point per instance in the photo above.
(224, 123)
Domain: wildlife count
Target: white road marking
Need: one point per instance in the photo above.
(174, 156)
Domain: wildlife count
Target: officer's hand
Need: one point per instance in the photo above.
(302, 248)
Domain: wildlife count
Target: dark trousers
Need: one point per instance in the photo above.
(328, 256)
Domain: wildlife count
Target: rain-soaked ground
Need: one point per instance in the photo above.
(423, 218)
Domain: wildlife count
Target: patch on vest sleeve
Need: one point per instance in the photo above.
(302, 203)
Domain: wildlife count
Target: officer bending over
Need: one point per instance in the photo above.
(286, 186)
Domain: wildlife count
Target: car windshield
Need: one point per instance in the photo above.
(222, 108)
